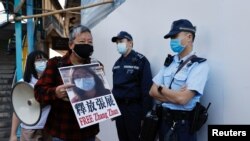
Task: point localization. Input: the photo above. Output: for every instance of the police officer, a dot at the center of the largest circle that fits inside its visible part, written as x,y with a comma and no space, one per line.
179,91
132,80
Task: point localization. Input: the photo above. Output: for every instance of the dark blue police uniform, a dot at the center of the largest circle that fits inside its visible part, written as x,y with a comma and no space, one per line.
132,80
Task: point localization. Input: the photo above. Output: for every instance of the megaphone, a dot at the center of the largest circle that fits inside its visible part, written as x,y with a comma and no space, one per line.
27,109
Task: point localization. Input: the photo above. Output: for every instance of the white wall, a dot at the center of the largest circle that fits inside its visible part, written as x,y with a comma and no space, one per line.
223,28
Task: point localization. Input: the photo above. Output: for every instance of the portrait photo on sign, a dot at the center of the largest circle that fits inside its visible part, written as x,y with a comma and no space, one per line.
89,82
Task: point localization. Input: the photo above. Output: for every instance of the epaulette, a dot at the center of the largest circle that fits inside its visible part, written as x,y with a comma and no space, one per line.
137,58
198,59
168,60
139,55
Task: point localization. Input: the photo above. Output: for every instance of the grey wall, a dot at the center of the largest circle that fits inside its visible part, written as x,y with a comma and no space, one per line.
222,37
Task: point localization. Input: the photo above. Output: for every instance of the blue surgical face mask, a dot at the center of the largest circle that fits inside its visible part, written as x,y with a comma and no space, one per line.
176,45
85,83
40,66
122,48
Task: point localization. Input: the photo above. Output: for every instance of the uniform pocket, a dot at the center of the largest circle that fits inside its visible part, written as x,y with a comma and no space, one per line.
167,77
180,79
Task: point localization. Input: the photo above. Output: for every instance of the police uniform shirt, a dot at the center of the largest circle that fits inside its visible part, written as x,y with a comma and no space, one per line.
192,75
132,76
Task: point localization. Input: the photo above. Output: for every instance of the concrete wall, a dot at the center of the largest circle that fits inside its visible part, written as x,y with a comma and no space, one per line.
222,37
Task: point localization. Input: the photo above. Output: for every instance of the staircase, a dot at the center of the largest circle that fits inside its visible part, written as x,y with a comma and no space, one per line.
7,70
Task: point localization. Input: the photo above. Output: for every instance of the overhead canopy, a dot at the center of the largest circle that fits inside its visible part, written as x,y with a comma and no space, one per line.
92,16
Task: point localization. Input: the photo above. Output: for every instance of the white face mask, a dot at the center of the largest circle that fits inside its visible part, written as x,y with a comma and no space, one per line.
122,48
40,66
85,83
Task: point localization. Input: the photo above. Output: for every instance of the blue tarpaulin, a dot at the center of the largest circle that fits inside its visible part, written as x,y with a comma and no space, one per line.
92,16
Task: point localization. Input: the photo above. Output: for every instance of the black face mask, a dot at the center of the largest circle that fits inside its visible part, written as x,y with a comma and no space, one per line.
83,50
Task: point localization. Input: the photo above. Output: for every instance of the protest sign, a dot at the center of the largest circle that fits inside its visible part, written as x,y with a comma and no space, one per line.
91,97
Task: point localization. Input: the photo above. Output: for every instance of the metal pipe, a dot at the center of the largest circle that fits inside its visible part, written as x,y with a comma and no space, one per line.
30,26
7,8
17,8
48,10
18,29
61,11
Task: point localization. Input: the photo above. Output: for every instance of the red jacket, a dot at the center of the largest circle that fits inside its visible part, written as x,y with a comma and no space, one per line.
61,121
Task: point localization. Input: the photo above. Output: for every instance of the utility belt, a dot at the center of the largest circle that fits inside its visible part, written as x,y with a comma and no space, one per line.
175,115
128,101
